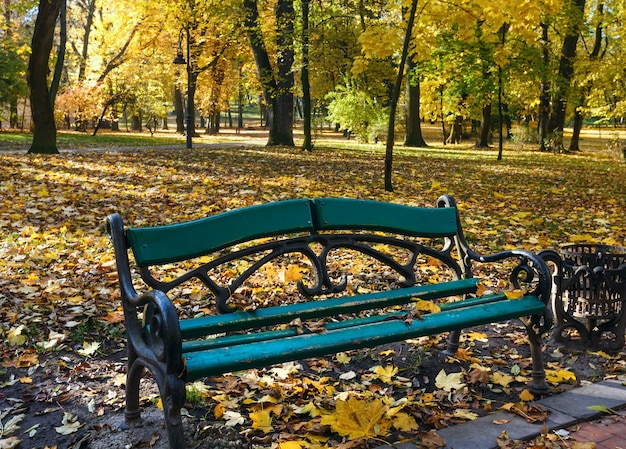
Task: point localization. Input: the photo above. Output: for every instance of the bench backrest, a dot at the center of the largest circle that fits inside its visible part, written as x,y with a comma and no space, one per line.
177,242
173,243
348,213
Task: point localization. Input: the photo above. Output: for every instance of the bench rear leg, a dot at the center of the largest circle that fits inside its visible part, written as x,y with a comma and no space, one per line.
453,343
538,383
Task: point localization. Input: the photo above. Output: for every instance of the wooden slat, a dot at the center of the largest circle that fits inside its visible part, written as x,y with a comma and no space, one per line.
237,321
238,339
349,213
172,243
266,353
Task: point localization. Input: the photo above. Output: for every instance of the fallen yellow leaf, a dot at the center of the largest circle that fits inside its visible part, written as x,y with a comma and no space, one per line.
385,374
262,420
449,382
514,294
359,418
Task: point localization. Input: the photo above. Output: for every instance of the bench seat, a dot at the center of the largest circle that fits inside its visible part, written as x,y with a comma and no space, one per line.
355,335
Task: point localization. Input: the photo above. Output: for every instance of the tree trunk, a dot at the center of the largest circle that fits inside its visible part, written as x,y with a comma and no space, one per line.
395,97
89,13
414,136
307,144
178,108
544,94
594,56
456,130
566,73
281,130
278,90
191,108
44,136
58,67
485,127
13,112
578,126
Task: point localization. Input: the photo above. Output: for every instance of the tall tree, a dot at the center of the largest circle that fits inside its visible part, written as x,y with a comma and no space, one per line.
544,89
414,137
44,136
89,8
566,73
13,63
595,54
277,85
307,144
395,98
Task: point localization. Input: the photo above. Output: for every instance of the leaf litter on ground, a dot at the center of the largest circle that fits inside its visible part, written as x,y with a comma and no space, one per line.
62,325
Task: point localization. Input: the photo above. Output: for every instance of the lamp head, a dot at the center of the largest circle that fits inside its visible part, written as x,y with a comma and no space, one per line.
180,59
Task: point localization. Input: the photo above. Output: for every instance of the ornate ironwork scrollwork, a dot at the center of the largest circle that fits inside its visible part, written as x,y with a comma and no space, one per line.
322,281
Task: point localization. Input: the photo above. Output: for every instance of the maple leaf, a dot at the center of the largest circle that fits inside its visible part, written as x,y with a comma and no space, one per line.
344,358
359,418
309,408
449,382
404,422
233,419
479,374
514,294
500,378
262,420
385,374
295,444
291,274
558,376
532,413
89,349
526,395
473,335
15,336
28,359
430,439
69,423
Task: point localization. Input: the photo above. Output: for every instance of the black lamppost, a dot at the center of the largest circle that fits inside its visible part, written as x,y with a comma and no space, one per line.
180,59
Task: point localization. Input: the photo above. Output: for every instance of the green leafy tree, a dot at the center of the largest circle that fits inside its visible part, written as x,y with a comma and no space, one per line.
13,65
356,111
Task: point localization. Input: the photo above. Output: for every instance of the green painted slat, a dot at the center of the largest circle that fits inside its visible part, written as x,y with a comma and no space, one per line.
236,321
172,243
265,353
238,339
350,213
472,301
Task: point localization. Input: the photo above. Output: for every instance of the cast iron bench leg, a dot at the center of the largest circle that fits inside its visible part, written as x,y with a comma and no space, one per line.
172,391
538,384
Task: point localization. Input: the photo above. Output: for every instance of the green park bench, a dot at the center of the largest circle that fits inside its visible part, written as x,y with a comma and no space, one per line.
225,253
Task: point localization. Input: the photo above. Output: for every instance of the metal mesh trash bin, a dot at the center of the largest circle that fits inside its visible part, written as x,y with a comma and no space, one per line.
591,293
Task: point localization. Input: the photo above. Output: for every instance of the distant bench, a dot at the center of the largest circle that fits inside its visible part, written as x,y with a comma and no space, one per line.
312,244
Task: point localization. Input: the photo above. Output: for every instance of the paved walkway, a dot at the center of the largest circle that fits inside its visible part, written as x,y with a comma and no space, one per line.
569,411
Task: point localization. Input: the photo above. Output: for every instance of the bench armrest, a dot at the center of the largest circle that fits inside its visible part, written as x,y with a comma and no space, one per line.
155,337
531,270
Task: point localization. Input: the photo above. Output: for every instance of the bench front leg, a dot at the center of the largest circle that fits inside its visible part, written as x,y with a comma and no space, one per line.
154,343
